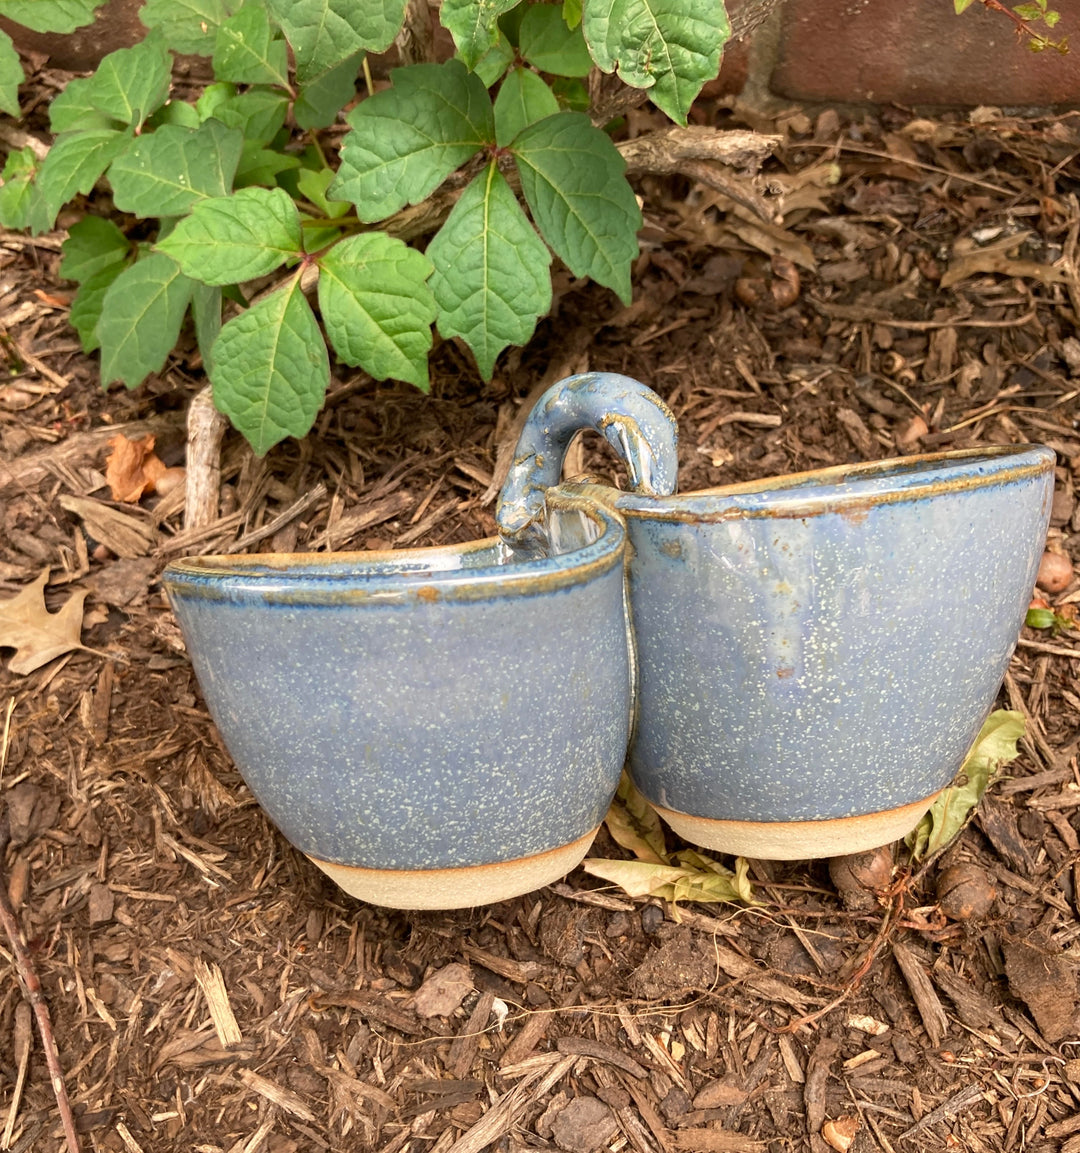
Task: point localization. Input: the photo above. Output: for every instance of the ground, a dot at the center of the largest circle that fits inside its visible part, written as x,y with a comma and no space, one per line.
210,990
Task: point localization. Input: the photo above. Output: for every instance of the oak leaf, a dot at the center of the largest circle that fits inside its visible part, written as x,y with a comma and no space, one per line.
132,469
36,634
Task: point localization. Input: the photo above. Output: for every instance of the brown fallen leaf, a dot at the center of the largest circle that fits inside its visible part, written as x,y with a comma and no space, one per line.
132,469
36,634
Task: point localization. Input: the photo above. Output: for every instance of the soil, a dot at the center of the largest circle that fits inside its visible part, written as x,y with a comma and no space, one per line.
211,991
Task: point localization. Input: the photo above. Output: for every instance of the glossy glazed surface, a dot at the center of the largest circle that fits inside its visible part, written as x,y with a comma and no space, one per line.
819,647
436,709
828,645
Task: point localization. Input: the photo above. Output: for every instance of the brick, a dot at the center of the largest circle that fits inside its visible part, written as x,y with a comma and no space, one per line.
919,52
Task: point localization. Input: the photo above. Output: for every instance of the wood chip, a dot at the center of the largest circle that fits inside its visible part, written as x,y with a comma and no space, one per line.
502,1116
715,1140
922,990
520,972
285,1098
583,1047
212,983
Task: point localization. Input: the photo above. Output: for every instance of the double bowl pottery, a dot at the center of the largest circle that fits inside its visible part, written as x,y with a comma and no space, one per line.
817,652
797,666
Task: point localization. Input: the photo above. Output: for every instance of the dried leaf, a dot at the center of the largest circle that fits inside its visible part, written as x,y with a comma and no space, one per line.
695,878
994,746
633,823
37,635
132,469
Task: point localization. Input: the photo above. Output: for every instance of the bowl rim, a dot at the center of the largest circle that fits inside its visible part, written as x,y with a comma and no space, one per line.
406,575
851,490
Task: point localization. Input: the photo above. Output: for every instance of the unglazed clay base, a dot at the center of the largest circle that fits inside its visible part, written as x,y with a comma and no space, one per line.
457,888
798,840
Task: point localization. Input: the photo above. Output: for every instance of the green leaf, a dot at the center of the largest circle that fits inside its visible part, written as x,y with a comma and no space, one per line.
188,26
320,100
571,93
270,369
474,25
85,311
72,109
994,746
406,140
1028,11
259,113
962,5
11,75
669,46
549,45
1041,618
572,178
21,202
495,61
176,112
246,51
140,320
235,238
165,172
633,824
323,33
377,307
206,312
261,166
313,184
214,96
50,15
523,99
74,163
571,11
491,279
92,244
131,83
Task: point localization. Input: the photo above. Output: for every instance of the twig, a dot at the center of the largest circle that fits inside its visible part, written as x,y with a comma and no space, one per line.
884,932
28,978
206,428
958,1101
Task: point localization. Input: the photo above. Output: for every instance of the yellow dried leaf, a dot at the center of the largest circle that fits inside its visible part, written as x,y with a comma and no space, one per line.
634,825
36,634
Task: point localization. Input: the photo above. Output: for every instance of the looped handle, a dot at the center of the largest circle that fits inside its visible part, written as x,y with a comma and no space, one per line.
632,419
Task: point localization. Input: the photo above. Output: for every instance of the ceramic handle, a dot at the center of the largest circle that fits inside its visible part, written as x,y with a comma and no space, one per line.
632,419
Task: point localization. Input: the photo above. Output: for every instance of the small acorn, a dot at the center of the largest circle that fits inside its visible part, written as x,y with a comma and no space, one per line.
1055,572
964,892
861,877
841,1132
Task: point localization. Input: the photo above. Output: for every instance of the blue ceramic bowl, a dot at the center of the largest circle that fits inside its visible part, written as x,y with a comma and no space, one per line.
818,652
435,728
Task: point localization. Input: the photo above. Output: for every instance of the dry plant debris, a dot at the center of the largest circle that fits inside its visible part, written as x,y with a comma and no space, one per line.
37,635
210,991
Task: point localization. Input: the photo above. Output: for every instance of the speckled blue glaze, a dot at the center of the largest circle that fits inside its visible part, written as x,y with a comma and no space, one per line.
633,420
422,709
824,645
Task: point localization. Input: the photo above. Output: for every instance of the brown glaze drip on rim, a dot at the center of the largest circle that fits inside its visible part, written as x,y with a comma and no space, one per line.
849,505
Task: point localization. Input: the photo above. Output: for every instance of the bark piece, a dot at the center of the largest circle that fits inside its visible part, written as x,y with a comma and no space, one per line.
584,1125
927,1001
1046,983
442,993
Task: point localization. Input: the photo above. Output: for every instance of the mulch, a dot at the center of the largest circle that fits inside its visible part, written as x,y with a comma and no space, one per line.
211,991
